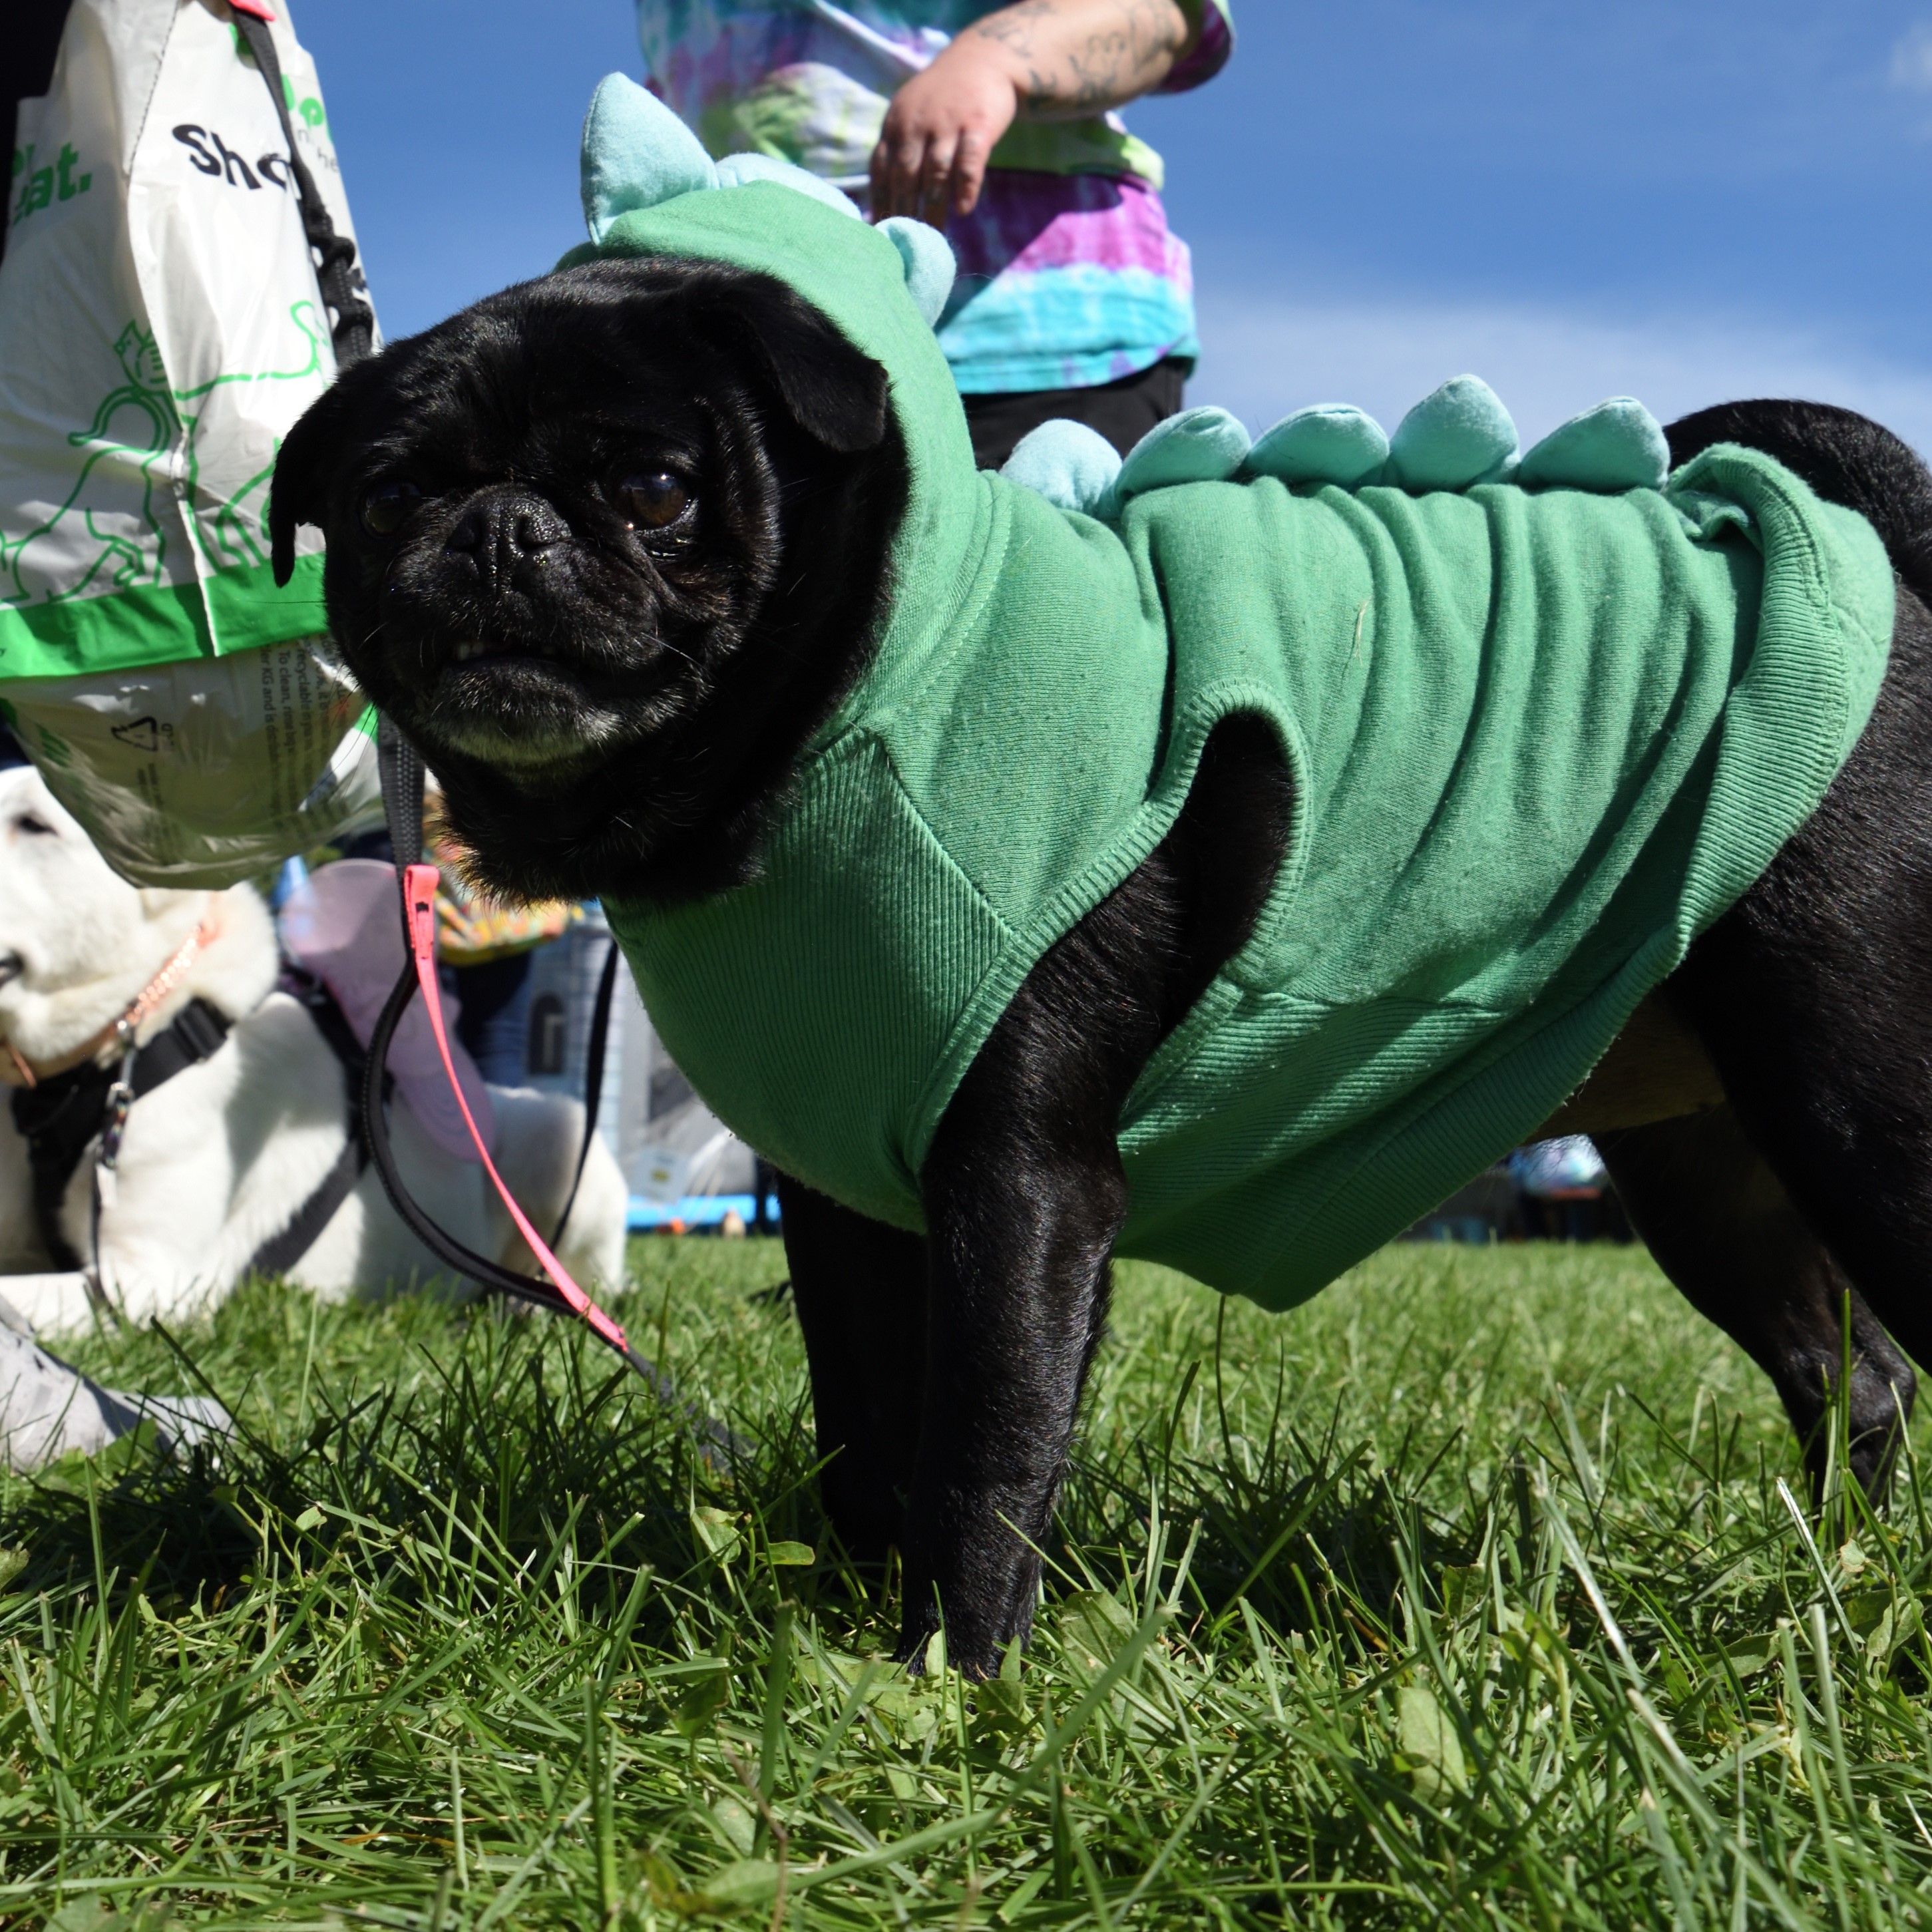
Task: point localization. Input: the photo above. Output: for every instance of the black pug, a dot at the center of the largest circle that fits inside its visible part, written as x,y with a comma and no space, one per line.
665,492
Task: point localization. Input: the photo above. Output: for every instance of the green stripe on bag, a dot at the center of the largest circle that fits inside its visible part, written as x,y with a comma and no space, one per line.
248,611
164,623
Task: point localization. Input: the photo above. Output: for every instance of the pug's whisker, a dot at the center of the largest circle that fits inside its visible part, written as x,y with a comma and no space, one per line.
676,650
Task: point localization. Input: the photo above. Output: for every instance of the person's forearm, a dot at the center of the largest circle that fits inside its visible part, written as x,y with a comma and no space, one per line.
1041,60
1071,57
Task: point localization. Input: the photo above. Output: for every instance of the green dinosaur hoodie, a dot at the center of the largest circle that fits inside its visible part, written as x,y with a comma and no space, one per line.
1539,741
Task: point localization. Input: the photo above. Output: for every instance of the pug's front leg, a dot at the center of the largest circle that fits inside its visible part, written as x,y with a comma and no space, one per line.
1018,1243
1024,1196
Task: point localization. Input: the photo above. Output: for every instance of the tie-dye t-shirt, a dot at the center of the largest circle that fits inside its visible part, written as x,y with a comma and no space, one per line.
1068,275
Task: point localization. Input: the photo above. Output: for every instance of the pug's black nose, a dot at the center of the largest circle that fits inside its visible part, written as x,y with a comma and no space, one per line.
503,533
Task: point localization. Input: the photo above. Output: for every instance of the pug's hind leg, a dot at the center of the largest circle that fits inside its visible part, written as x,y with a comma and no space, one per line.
860,1287
1720,1224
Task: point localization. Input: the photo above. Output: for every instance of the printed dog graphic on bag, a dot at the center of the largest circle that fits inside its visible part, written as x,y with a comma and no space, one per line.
111,506
109,522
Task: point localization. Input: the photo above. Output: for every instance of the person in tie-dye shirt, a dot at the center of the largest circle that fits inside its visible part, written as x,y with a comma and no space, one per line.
996,123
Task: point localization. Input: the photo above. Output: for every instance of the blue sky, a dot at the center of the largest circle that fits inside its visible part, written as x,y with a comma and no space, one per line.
1681,202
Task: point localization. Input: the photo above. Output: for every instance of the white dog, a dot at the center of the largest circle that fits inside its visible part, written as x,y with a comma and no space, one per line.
216,1162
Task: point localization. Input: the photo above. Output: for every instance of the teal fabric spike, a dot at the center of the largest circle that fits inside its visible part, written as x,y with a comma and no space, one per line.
1073,466
1327,443
734,170
1197,446
929,266
636,153
1460,435
1617,446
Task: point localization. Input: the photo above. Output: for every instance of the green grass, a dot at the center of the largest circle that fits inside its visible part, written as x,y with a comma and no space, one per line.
1472,1595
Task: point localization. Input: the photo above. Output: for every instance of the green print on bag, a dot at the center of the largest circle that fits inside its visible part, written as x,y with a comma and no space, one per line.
101,554
310,110
143,395
40,188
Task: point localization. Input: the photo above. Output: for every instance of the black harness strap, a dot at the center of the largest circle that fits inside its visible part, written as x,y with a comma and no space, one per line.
281,1251
195,1033
60,1117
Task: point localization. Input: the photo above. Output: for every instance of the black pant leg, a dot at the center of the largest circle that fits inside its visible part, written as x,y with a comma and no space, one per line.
1123,411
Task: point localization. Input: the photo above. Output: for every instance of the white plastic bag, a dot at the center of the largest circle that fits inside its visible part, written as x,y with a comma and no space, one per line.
161,327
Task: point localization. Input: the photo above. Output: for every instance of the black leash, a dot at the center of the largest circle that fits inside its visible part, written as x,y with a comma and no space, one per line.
593,1080
401,772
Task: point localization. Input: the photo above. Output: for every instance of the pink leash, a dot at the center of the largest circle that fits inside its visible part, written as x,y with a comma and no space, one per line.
419,885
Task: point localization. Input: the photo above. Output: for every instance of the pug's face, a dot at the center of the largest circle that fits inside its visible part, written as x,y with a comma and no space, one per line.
608,546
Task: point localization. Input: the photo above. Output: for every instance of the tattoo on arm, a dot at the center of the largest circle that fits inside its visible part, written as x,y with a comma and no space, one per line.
1105,66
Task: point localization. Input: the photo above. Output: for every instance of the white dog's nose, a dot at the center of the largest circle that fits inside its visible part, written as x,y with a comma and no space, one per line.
11,967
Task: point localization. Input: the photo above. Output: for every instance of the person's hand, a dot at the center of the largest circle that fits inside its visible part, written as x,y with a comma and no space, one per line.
1041,59
940,129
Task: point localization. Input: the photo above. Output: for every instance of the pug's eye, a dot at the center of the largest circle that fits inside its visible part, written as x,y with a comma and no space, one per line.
388,506
652,500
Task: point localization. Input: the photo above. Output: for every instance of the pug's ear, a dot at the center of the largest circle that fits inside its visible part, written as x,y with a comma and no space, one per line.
835,393
299,492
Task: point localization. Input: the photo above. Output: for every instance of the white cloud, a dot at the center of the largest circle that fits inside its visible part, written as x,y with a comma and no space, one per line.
1911,59
1263,356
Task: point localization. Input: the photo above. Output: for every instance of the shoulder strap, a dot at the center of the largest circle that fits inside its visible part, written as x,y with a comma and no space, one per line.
353,330
399,766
